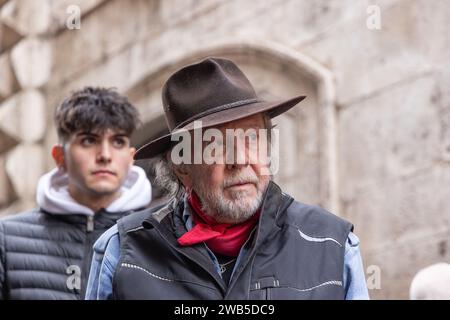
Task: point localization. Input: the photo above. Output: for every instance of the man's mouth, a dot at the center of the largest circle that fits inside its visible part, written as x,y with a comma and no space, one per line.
240,184
103,173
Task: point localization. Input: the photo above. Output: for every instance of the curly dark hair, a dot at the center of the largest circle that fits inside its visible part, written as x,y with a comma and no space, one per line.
94,108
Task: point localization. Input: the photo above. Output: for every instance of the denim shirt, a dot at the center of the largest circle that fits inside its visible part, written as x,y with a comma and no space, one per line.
107,252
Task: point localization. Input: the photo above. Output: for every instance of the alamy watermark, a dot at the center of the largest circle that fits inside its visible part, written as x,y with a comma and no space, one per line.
235,146
73,21
373,279
373,21
73,281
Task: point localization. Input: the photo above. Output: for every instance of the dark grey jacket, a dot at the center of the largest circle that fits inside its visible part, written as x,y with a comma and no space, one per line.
47,256
296,252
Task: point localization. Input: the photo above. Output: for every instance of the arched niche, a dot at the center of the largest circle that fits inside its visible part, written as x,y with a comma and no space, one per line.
308,163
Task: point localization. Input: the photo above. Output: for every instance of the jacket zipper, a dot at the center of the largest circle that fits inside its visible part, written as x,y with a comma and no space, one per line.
85,267
251,255
248,259
90,224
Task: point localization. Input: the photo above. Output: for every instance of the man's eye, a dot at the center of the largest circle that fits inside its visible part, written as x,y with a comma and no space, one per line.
119,142
87,141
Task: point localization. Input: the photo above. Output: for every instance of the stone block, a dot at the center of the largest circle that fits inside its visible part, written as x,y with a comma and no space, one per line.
6,141
441,101
24,166
411,42
390,135
27,17
8,37
7,194
102,35
23,116
18,206
396,210
32,62
62,10
399,262
8,81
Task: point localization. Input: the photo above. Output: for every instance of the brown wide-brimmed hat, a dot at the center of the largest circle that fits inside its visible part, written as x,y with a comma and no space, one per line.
214,91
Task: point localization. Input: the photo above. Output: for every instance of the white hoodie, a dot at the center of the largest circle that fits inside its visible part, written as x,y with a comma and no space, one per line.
53,194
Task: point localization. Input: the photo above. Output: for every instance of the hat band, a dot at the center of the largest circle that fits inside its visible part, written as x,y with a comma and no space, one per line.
215,110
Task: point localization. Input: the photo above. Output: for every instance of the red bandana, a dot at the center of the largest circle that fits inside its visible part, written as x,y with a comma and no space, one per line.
222,238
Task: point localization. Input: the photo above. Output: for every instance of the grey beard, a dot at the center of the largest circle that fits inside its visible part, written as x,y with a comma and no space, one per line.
233,211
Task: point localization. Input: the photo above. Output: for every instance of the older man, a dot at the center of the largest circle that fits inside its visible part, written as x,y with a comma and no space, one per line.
229,232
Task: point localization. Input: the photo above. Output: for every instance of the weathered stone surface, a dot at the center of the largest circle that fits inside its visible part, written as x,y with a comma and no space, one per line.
397,209
105,40
288,145
6,141
389,136
6,194
23,116
8,37
24,166
18,206
27,17
299,166
160,26
8,82
62,10
32,60
403,48
102,35
400,261
392,217
441,101
393,185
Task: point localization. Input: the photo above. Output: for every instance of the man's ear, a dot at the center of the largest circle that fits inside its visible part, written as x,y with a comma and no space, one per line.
58,156
181,171
132,153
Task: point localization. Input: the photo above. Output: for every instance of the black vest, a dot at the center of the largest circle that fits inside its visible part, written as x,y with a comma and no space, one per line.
296,252
47,256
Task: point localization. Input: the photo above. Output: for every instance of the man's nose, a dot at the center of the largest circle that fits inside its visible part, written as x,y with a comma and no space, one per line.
104,153
238,155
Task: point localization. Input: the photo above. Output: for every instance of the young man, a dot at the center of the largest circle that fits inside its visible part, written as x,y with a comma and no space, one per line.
230,232
46,253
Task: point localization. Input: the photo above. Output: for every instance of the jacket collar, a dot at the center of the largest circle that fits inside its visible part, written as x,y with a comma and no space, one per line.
53,194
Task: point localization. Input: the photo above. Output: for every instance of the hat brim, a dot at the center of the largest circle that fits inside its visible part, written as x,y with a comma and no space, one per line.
273,109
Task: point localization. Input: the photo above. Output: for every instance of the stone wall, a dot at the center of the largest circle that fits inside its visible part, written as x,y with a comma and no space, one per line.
371,142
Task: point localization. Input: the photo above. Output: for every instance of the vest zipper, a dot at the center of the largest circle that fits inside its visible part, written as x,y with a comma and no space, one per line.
248,259
85,267
90,224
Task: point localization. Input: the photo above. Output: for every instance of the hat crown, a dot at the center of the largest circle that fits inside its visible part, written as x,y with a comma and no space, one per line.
206,87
